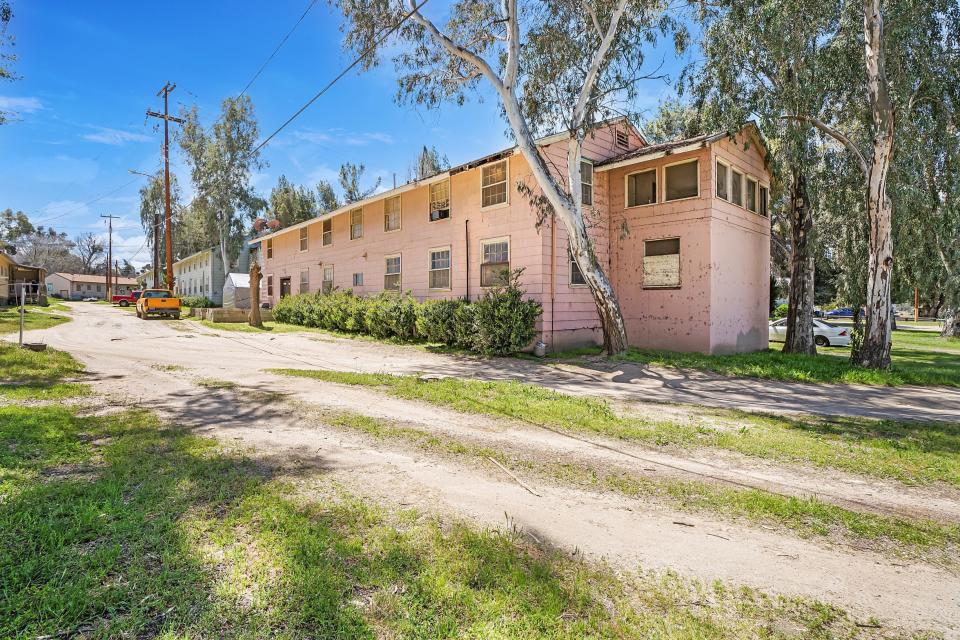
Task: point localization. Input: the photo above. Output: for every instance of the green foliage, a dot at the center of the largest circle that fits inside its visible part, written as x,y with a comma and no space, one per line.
503,321
781,311
291,204
198,302
437,320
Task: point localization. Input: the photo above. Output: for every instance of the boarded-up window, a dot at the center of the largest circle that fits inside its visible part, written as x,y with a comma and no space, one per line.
304,280
682,181
327,286
327,232
736,188
723,174
493,184
764,201
440,268
495,264
304,239
642,188
356,224
752,194
440,201
391,214
586,183
391,277
661,263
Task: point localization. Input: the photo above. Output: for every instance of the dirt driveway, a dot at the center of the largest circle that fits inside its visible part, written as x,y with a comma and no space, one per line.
160,363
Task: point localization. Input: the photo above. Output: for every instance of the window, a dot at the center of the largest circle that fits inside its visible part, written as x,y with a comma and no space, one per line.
764,201
356,224
269,248
495,262
736,188
99,288
327,237
493,184
391,277
304,280
623,139
682,180
358,279
269,285
391,214
642,188
440,201
752,195
304,239
327,286
661,263
586,183
723,174
576,275
439,268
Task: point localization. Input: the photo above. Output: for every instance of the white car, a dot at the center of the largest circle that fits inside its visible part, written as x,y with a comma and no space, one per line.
824,333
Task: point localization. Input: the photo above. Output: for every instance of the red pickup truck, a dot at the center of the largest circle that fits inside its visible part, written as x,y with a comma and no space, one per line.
127,300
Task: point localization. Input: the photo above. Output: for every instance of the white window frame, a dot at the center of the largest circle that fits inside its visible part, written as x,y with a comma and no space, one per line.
726,182
323,278
449,249
399,214
584,184
304,239
733,173
302,289
679,255
431,201
486,241
399,273
746,193
269,248
352,224
326,237
506,185
675,164
626,188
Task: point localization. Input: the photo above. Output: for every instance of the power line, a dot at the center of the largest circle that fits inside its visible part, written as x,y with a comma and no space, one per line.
356,61
89,202
279,46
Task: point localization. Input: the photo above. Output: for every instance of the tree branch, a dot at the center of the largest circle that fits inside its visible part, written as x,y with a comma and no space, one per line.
836,135
590,79
513,44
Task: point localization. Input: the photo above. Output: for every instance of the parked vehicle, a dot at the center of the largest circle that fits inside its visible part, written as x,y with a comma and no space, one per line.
824,333
158,302
840,312
90,299
127,299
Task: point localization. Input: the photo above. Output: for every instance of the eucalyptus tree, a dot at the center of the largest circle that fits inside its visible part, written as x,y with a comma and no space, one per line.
350,175
327,199
291,204
429,162
152,209
551,64
222,161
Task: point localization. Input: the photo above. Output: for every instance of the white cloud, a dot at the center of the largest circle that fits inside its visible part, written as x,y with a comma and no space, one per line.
338,136
23,105
115,137
67,209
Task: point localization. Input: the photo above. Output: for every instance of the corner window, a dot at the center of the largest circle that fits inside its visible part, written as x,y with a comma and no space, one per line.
495,262
723,177
269,248
682,181
304,280
439,268
391,277
642,188
661,263
751,195
576,275
304,239
327,237
358,279
269,285
356,224
391,214
764,201
586,183
736,188
327,285
493,184
439,201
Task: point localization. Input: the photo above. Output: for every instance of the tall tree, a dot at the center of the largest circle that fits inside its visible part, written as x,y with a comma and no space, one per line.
327,200
7,57
567,63
13,225
350,175
48,248
428,162
152,211
291,204
90,249
222,162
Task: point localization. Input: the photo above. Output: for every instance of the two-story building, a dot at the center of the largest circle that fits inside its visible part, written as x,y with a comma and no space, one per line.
200,274
682,230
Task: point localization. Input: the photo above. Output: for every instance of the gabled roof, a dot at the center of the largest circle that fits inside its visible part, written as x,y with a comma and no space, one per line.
19,264
676,147
89,277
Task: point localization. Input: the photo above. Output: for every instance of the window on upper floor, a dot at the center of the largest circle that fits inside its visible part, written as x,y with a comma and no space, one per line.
391,214
493,184
642,188
269,248
304,238
736,188
586,182
681,180
439,201
723,179
751,194
356,224
764,201
327,238
495,262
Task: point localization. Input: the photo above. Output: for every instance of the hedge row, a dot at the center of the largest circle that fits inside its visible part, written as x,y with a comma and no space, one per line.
198,302
501,322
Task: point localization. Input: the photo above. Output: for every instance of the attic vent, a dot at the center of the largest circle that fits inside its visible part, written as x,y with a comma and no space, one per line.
623,139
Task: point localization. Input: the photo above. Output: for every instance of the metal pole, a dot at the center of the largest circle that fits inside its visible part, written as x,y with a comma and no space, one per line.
166,187
109,255
21,313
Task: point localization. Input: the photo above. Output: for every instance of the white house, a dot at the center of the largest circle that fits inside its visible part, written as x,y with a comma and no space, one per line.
200,274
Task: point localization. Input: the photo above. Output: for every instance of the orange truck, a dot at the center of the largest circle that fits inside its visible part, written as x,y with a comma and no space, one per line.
158,302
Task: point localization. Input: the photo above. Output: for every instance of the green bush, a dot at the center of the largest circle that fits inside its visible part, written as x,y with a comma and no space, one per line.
503,322
437,320
781,311
198,302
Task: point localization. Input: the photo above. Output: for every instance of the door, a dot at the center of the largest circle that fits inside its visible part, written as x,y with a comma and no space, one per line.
284,287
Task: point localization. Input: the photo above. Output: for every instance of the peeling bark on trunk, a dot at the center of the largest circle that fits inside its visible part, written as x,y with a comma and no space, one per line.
255,276
951,324
799,337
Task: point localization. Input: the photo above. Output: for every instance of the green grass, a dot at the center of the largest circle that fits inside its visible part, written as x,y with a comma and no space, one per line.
804,516
121,526
910,453
214,383
34,318
31,375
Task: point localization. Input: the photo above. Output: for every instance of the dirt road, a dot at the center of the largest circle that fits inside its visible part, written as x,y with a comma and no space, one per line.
626,532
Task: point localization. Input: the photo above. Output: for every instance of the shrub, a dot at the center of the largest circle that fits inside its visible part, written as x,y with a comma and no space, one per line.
437,320
377,315
503,322
781,311
198,302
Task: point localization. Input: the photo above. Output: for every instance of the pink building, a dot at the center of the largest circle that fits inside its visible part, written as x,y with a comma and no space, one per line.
682,229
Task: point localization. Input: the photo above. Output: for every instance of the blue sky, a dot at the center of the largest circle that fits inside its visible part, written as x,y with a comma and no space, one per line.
90,70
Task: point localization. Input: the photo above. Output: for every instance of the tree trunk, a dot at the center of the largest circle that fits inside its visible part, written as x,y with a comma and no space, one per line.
255,320
875,352
800,306
951,324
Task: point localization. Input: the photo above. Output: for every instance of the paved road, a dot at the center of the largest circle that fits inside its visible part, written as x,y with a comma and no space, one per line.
101,332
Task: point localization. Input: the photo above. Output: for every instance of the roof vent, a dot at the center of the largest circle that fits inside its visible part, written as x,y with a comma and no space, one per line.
623,139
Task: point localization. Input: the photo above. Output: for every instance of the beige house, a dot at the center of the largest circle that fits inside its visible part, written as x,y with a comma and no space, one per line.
77,286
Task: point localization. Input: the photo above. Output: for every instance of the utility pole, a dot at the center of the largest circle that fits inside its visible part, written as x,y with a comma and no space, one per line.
109,254
916,304
156,234
168,226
